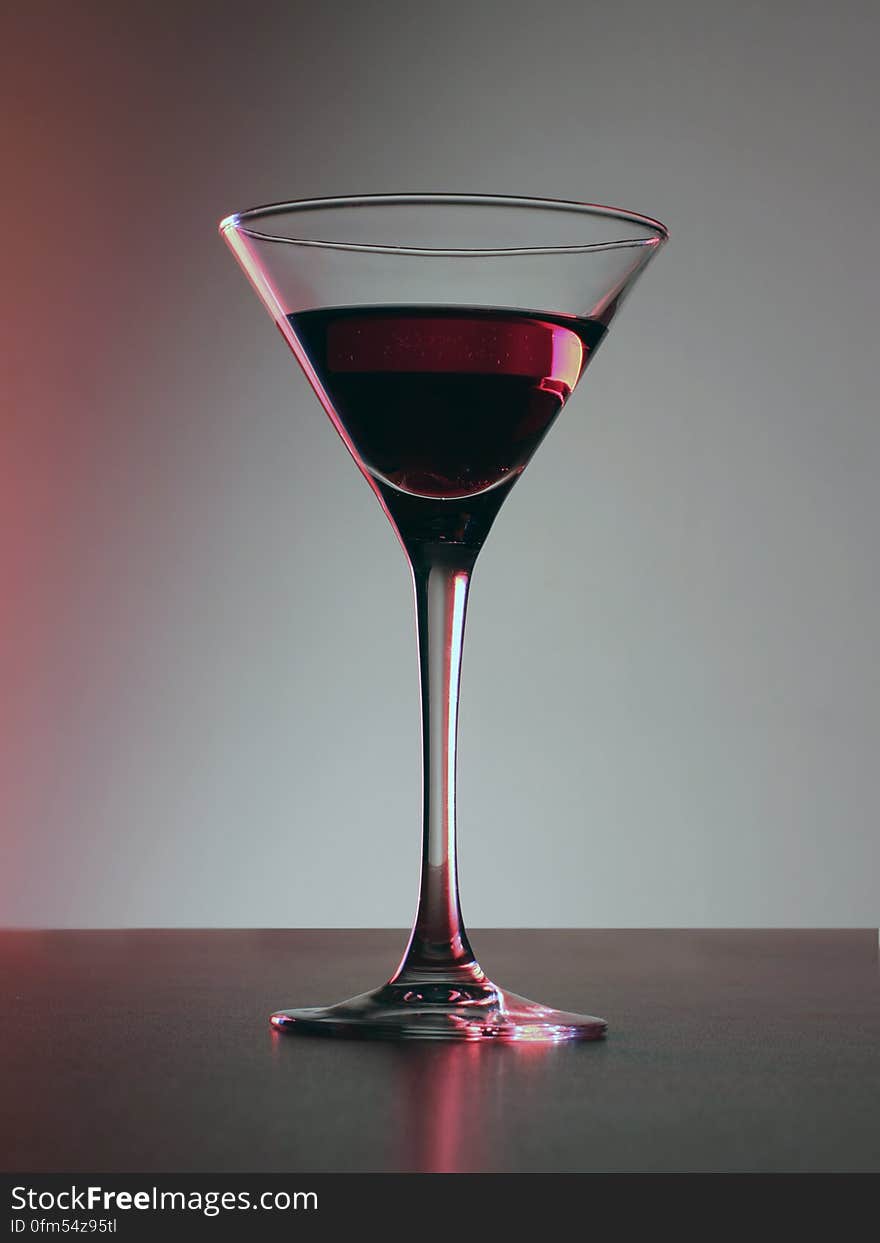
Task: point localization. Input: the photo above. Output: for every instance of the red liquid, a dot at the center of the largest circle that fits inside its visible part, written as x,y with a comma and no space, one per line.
444,403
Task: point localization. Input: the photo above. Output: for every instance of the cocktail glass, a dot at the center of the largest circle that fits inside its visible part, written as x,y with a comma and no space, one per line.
442,334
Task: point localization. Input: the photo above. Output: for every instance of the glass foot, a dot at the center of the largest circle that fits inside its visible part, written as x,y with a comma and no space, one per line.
433,1011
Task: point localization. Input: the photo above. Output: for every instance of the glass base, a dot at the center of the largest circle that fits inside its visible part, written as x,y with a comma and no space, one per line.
441,1011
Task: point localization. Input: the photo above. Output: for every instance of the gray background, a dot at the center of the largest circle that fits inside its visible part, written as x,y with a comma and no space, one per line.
671,695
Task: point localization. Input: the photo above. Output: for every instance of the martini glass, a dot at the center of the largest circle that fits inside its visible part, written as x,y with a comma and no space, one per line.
442,334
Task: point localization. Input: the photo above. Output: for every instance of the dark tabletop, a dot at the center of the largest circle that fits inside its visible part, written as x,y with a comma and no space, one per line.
727,1051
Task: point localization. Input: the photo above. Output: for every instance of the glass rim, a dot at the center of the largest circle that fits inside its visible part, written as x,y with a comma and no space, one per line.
243,221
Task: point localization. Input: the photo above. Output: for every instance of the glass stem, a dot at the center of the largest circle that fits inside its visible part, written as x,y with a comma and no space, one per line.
438,947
